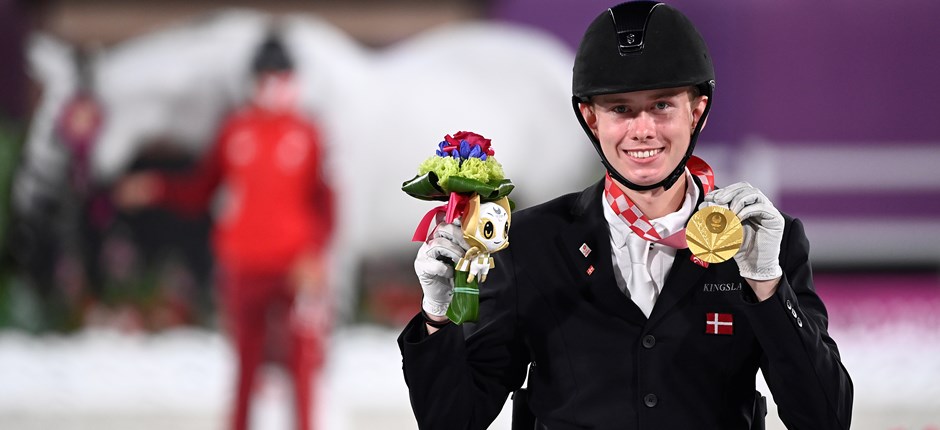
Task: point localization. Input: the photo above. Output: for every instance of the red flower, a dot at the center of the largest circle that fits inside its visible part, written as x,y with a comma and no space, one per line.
473,139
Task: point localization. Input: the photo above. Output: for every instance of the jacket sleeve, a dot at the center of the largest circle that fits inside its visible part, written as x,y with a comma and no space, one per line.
459,378
189,193
800,361
322,197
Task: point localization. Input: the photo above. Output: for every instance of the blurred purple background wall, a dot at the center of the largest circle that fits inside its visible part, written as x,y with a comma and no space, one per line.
841,71
12,72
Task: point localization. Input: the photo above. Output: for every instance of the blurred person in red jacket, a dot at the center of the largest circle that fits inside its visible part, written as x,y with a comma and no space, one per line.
271,234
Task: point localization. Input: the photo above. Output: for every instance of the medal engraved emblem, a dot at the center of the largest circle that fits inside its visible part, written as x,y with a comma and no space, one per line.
714,234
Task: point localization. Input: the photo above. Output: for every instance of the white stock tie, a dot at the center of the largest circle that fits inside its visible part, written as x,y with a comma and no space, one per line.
642,289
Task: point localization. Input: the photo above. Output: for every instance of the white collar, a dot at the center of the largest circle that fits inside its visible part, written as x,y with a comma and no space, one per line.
666,225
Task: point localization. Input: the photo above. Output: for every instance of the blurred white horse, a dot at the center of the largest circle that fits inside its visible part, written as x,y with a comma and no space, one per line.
381,112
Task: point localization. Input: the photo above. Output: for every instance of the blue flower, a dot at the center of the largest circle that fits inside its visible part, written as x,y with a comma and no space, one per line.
464,149
462,152
476,152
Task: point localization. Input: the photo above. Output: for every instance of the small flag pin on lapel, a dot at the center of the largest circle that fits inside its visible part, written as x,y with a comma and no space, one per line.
590,270
585,250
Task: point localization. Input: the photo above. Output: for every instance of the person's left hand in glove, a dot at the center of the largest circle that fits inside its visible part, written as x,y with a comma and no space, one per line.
759,257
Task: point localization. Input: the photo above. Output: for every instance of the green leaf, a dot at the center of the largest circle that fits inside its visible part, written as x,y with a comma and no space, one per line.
425,187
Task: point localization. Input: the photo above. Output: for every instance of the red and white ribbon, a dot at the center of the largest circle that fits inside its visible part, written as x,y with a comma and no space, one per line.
627,211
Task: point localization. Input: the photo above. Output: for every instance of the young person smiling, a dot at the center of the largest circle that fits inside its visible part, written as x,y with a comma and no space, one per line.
600,302
645,135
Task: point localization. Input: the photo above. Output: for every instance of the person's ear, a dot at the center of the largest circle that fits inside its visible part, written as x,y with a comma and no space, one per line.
589,115
698,108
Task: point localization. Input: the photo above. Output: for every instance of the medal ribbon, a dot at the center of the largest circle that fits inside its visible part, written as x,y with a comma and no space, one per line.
627,211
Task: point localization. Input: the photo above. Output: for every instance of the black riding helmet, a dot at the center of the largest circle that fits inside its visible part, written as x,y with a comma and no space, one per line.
635,46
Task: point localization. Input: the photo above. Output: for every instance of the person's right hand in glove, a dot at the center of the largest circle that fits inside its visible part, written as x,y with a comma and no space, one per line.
434,266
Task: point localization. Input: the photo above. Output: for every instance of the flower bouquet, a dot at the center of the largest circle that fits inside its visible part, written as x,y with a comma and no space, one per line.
464,173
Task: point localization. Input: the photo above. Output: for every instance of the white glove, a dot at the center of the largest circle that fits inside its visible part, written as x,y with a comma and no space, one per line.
762,223
436,276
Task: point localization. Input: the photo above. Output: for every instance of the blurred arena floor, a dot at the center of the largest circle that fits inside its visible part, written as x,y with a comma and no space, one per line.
887,327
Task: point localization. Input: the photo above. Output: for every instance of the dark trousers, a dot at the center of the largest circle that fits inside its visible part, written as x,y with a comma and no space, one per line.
524,419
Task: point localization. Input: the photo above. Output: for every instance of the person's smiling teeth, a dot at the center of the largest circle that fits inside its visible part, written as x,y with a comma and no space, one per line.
644,153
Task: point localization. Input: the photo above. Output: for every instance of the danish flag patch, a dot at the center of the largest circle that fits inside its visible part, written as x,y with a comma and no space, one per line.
716,323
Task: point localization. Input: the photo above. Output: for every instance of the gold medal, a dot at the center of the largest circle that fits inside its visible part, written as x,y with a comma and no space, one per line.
714,234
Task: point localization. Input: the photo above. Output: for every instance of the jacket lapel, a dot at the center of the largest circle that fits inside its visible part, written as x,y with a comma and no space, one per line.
681,278
595,272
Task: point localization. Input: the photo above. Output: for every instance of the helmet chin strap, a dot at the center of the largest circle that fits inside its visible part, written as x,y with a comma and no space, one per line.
666,183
